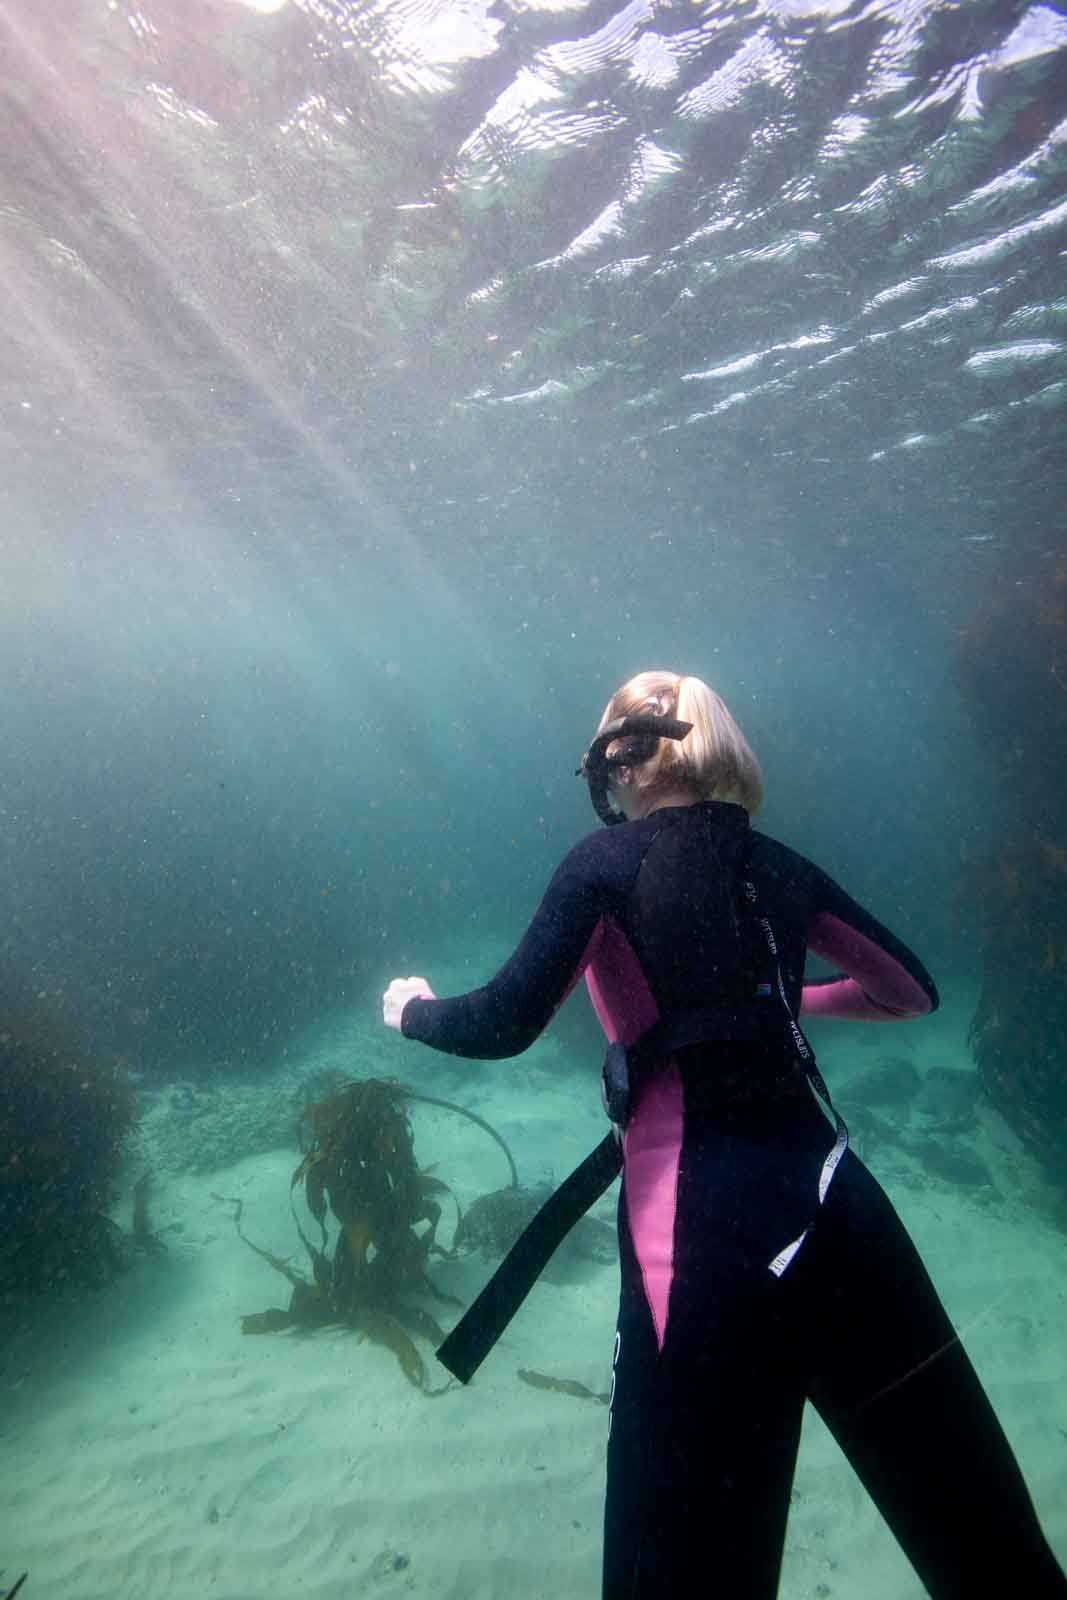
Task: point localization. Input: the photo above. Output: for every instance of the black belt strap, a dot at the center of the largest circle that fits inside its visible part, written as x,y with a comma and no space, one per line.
484,1321
701,1025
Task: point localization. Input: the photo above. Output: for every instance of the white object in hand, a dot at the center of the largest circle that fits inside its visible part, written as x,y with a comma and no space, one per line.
396,997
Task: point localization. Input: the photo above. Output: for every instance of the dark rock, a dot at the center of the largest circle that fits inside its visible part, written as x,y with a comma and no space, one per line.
388,1562
493,1222
892,1081
949,1098
954,1163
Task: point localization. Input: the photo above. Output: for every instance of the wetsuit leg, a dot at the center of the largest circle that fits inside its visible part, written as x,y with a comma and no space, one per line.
704,1432
894,1385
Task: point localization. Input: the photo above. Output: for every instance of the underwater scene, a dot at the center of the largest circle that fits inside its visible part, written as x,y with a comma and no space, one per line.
383,384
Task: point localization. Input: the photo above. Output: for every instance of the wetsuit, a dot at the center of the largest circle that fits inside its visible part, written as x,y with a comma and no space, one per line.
716,1354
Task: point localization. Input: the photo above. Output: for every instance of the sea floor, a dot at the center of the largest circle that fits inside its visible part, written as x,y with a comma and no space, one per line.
151,1449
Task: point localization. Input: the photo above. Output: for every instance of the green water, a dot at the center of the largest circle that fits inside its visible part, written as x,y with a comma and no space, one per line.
381,386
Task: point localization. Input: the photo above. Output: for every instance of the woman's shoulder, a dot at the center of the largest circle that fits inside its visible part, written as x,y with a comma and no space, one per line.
607,856
782,861
606,845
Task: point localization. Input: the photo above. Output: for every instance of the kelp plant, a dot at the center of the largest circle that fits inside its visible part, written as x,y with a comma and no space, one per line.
1018,1035
63,1123
1012,667
359,1161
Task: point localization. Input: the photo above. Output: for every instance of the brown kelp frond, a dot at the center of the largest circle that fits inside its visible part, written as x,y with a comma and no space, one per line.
272,1321
386,1330
571,1386
430,1185
419,1320
359,1165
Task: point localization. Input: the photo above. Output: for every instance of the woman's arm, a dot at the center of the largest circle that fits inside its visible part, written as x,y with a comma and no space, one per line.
506,1016
880,979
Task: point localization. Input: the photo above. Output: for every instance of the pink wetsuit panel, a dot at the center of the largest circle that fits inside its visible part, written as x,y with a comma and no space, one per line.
653,1142
878,990
617,987
652,1148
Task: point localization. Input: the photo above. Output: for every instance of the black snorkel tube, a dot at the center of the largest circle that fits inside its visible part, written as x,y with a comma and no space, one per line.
642,733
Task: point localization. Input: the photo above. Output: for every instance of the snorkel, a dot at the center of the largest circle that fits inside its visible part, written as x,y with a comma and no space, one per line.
642,734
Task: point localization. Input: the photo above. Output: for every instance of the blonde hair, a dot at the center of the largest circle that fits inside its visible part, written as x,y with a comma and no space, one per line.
714,759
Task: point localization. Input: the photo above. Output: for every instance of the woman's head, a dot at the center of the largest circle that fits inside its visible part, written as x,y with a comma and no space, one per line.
712,762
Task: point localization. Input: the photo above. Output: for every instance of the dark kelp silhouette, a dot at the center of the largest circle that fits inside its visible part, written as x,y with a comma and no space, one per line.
63,1120
1018,1034
1012,669
359,1162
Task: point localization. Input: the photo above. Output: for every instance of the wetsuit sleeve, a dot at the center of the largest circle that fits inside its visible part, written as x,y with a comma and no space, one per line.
506,1016
880,979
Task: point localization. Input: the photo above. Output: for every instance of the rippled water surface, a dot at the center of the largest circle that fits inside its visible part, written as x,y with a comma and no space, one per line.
784,262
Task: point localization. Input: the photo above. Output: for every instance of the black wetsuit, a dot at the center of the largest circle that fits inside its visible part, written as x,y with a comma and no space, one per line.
716,1353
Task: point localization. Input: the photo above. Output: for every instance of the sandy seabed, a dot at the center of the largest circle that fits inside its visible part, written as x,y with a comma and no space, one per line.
151,1450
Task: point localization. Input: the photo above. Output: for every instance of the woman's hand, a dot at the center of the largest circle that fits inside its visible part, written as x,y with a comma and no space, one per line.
396,997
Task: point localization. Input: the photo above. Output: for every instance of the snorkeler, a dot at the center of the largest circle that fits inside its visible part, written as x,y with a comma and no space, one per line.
762,1265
